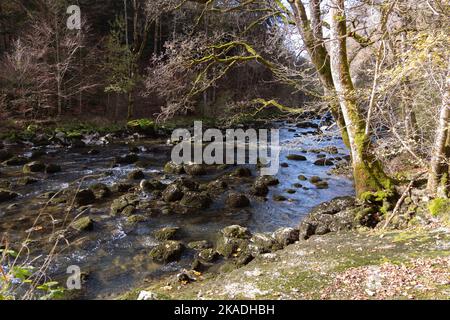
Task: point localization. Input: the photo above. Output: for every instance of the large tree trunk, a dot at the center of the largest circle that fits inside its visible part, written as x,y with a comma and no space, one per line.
438,175
312,35
368,172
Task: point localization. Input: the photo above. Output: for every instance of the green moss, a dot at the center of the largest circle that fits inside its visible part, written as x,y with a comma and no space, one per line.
439,207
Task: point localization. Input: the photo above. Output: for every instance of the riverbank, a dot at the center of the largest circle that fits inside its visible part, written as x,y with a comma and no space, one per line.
364,264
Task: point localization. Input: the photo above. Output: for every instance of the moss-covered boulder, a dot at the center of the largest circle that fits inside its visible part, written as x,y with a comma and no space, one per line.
286,236
125,204
336,215
242,172
237,200
136,175
168,233
199,245
262,243
207,255
143,126
193,169
85,197
324,162
196,200
152,185
100,190
173,168
32,167
167,251
233,241
83,224
172,193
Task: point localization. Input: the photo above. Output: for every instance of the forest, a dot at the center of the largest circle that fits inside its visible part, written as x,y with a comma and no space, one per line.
93,95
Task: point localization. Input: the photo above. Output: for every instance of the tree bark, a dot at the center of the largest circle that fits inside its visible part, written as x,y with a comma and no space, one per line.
312,35
368,172
438,175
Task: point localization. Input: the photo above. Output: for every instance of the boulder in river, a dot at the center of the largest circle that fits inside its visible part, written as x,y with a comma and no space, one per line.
7,195
125,204
173,168
196,200
26,181
167,233
85,197
233,241
269,181
262,243
296,157
324,162
259,189
83,224
136,175
195,169
127,159
242,172
32,167
167,251
100,190
237,200
199,245
52,168
172,193
152,185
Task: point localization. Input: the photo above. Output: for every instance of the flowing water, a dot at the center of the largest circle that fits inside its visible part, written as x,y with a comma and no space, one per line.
115,255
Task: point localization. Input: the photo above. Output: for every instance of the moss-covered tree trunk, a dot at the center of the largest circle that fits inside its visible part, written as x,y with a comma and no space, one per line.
438,184
368,172
312,35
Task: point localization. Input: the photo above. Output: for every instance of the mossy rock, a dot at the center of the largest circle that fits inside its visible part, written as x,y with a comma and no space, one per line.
83,224
32,167
85,197
144,126
439,207
125,204
167,233
195,169
196,200
173,168
237,200
242,172
167,251
172,193
100,190
199,245
207,255
135,219
136,175
26,181
279,198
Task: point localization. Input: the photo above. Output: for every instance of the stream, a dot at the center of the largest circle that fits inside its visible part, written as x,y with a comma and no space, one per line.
114,255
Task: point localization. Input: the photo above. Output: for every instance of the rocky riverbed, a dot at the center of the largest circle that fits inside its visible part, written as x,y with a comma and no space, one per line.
122,212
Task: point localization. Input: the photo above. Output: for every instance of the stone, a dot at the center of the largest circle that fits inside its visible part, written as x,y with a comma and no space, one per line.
269,181
307,124
167,233
323,162
124,204
259,189
207,255
302,178
262,243
286,236
237,200
167,251
152,185
242,172
196,200
32,167
296,157
26,181
83,224
172,193
135,219
279,198
147,296
199,245
236,231
195,169
100,190
85,197
127,159
173,168
52,168
136,175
